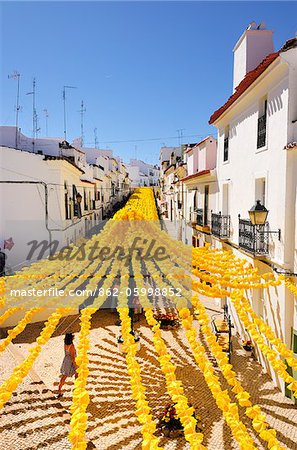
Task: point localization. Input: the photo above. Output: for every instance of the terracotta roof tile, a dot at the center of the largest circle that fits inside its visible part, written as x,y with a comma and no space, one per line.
199,143
244,84
198,174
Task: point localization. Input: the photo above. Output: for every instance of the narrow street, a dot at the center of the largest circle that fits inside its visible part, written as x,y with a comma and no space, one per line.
35,419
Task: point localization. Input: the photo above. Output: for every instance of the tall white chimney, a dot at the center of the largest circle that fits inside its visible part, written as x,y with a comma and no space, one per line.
252,47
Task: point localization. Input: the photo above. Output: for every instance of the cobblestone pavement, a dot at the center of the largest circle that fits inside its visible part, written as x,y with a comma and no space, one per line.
35,419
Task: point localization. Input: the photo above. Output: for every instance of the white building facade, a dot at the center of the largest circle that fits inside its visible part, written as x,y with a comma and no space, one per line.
199,187
51,193
257,160
143,174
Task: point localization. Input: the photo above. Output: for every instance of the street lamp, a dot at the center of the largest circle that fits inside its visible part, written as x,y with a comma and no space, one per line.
258,215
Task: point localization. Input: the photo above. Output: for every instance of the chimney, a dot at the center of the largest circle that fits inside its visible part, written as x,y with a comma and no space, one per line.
253,46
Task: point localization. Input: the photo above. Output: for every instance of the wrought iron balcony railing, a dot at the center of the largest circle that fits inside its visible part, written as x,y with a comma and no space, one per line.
254,239
220,225
197,217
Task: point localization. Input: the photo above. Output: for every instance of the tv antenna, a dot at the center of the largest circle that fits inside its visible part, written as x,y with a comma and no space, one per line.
34,114
95,138
46,121
64,102
16,76
180,135
82,111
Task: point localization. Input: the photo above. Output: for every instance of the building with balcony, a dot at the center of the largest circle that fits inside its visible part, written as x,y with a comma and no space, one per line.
257,160
170,159
200,187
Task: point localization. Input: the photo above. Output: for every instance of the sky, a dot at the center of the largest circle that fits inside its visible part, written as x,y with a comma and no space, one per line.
144,70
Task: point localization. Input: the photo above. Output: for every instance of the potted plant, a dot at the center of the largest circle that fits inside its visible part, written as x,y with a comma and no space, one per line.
167,320
248,347
170,425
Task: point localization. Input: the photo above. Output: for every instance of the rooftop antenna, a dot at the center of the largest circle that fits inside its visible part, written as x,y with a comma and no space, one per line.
64,102
34,114
82,111
135,149
95,138
46,121
37,127
180,135
16,76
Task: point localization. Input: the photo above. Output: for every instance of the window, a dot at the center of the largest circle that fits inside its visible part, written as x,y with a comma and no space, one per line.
226,144
67,215
206,200
262,123
85,201
260,190
76,203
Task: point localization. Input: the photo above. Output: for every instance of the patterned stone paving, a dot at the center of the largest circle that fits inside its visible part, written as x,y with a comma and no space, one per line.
35,419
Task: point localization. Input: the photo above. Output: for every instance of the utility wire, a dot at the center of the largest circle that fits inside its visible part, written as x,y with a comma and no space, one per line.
149,139
55,184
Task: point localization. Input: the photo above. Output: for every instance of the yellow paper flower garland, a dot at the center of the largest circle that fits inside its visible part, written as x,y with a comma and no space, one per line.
267,331
22,370
291,286
229,409
242,396
272,356
143,411
174,386
224,402
253,412
80,399
8,313
2,291
12,334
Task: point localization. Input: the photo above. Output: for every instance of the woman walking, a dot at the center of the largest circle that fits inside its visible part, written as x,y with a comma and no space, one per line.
68,368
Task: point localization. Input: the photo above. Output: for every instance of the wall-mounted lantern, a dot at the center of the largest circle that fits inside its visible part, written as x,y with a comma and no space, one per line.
258,215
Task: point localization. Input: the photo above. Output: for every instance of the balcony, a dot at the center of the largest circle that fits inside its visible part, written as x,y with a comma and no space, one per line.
220,225
254,239
261,137
197,217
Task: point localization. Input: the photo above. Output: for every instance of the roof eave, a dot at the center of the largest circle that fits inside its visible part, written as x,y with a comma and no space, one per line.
271,66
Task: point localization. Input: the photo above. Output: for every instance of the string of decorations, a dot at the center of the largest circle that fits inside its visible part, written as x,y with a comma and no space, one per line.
22,370
14,332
